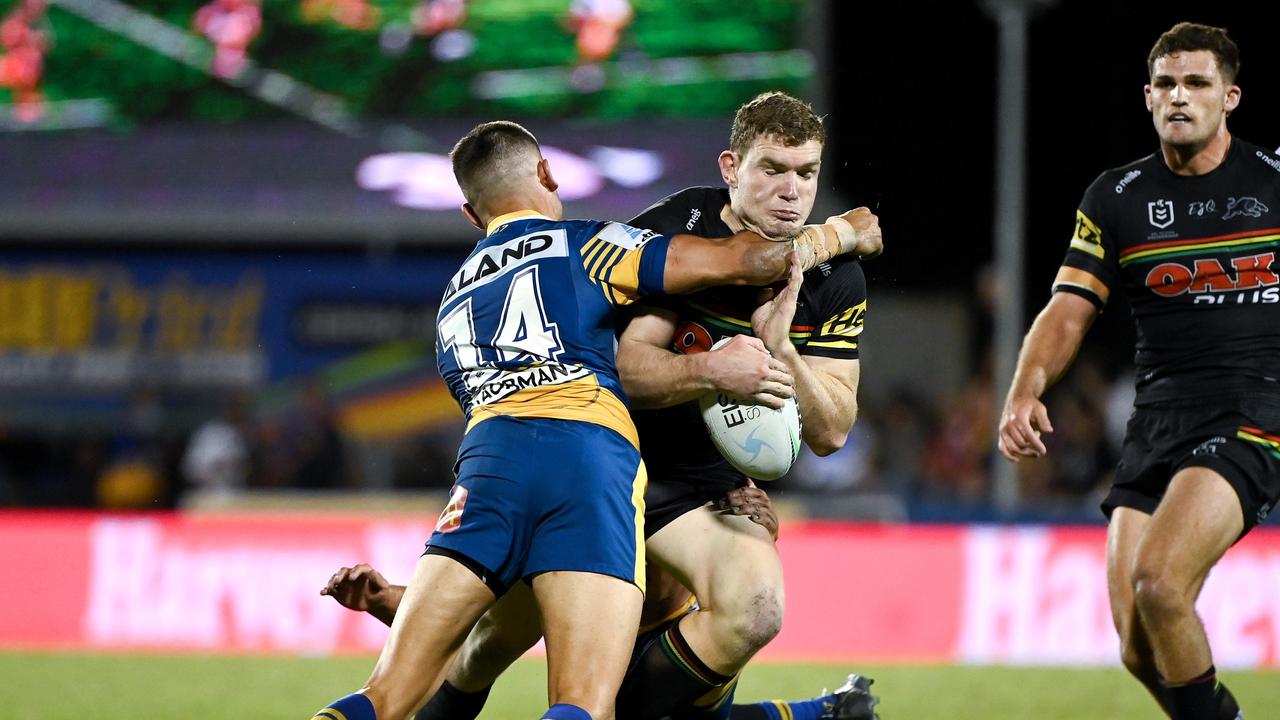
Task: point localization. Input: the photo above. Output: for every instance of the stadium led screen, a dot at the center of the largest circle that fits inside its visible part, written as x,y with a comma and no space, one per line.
330,118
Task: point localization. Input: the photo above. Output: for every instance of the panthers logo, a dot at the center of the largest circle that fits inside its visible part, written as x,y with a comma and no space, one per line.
691,338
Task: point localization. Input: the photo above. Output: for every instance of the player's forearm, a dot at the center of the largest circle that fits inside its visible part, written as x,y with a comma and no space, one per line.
694,263
655,377
1047,352
386,610
827,406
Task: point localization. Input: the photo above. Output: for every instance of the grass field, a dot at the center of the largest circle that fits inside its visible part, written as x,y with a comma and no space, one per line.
110,687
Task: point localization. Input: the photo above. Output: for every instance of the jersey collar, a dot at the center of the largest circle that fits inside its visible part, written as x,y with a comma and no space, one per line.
497,222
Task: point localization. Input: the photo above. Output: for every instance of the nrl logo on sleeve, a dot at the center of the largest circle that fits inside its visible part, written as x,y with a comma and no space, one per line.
1160,213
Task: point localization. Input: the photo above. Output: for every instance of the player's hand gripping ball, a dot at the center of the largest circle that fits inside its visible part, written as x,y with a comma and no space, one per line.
759,441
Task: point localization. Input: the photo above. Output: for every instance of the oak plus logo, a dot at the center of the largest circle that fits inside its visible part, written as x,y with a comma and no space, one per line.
1252,278
1160,213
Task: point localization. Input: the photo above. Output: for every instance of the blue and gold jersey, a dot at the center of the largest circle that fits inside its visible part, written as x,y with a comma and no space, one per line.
527,325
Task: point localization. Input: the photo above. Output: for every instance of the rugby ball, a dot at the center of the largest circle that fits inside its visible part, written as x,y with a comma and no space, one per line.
757,440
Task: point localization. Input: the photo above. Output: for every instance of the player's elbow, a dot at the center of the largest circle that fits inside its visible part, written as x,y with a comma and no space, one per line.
829,440
828,443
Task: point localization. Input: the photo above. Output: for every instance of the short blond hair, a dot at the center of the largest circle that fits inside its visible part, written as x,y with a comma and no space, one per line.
778,115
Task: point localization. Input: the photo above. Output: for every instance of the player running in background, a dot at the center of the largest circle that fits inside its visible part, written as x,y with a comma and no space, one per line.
525,341
1189,234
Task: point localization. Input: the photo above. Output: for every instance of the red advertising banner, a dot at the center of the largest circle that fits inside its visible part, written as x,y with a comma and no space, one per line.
250,584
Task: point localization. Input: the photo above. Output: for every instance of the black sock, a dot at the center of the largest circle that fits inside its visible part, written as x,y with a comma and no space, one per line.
1195,699
1228,708
666,676
450,703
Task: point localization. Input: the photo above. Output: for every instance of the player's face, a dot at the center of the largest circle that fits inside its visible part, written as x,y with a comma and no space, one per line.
773,186
1188,98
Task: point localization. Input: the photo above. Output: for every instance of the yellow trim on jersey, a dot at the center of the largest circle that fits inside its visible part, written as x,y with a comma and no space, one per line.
582,399
496,223
841,344
679,612
592,251
1087,237
1129,256
638,486
848,324
743,326
603,259
1083,279
329,714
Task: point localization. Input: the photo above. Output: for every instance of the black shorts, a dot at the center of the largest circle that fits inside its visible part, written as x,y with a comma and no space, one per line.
672,494
1239,440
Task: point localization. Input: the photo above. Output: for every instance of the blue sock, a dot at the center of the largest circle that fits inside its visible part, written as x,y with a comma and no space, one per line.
351,707
779,710
565,712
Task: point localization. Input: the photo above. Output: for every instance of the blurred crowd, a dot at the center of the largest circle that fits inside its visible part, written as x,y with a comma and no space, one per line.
910,455
919,457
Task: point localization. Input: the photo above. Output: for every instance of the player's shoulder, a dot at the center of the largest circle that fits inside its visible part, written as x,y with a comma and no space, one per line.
1259,158
618,233
684,210
840,267
841,276
1117,181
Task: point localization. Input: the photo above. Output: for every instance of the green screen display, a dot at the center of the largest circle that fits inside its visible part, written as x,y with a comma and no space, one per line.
76,63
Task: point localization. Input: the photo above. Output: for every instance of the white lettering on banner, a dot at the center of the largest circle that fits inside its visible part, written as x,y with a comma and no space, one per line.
1028,602
152,590
1032,597
1237,605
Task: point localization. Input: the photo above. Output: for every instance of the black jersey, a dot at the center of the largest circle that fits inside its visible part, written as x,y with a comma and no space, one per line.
1196,257
828,320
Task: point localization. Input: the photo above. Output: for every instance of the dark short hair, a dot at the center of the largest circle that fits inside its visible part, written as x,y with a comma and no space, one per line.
482,152
1189,37
775,114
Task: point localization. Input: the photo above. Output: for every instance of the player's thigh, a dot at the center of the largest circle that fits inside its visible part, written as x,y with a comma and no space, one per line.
723,559
1197,521
499,638
441,603
590,622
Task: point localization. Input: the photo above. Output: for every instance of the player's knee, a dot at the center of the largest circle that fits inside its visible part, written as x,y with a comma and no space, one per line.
757,621
1156,595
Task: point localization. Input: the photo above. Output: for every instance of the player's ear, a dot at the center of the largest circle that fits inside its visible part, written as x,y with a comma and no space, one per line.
544,176
471,215
1233,98
1146,93
729,168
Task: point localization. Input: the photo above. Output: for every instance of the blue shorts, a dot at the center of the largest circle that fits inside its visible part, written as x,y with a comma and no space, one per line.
536,495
